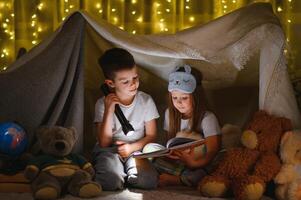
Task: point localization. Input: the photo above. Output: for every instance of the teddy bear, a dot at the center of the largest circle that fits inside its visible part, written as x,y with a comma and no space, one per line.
56,170
288,180
245,171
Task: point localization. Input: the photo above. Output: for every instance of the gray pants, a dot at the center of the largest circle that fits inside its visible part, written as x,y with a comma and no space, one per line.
112,171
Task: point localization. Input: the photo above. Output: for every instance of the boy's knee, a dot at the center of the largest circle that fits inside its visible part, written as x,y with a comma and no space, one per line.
110,181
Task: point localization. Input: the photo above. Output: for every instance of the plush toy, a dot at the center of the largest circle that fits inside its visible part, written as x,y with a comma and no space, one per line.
244,172
56,170
288,180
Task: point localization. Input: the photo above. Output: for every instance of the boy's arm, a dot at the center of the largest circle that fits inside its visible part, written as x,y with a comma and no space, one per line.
150,136
104,129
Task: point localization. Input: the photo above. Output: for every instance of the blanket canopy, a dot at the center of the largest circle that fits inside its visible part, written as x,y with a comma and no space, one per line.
240,55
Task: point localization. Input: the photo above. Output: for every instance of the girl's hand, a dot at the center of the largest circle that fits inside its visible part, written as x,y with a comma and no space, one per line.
110,101
124,149
186,156
172,156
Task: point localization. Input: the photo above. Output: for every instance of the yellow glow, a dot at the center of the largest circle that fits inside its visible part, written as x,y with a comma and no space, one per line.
159,12
289,21
166,29
167,10
121,27
40,29
234,1
134,31
191,19
279,9
34,34
2,55
34,42
168,1
12,14
66,1
140,19
5,67
33,16
225,6
33,23
100,11
187,7
98,5
4,25
289,0
113,9
162,20
187,1
2,4
67,10
157,4
134,1
40,6
133,12
115,19
7,20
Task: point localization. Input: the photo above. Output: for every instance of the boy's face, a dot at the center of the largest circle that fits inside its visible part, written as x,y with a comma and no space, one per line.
126,82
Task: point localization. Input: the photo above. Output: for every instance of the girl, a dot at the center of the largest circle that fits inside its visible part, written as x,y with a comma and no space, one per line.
187,113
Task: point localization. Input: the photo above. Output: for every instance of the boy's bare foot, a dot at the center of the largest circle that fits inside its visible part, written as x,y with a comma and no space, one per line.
168,179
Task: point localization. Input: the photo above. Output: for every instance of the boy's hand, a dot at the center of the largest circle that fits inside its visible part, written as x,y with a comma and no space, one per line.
124,149
110,101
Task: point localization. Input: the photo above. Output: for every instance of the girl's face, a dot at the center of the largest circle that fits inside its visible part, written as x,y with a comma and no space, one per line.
183,102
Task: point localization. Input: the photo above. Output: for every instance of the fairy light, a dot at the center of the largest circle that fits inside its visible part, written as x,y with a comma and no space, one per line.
133,1
133,12
140,19
191,19
279,9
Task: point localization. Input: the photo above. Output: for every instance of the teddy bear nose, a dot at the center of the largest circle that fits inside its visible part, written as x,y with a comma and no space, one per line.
60,146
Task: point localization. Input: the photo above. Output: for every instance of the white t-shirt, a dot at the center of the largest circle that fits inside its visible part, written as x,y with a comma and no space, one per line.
142,110
209,125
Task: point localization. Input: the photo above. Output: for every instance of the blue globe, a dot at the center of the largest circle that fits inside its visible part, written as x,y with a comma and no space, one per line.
13,139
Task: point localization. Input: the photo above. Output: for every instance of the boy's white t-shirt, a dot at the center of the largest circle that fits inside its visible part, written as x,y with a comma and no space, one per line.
209,125
142,109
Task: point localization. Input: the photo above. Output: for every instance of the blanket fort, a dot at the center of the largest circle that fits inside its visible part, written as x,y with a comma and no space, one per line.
240,55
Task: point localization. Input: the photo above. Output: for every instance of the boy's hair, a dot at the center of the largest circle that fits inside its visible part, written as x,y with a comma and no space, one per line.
199,107
114,60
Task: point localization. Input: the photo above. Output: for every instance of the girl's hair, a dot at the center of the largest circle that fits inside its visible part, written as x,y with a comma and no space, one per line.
198,104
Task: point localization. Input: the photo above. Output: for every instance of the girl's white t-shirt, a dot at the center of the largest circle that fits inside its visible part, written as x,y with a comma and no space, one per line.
208,125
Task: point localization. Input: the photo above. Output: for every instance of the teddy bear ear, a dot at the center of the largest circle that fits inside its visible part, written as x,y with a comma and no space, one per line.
285,137
74,132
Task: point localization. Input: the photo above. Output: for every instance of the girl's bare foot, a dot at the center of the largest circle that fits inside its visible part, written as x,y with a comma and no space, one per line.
168,179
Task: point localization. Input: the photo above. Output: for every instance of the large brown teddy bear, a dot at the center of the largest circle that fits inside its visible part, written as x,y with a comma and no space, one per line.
244,172
56,170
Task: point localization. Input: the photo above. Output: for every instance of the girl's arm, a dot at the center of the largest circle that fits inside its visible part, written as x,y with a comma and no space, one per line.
213,146
150,135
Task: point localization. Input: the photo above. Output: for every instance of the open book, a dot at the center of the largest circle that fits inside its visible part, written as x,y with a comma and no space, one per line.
178,143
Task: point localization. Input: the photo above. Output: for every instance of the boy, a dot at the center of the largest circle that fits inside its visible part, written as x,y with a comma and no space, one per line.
112,155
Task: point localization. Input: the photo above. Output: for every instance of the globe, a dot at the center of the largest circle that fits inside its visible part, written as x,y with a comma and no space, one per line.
13,139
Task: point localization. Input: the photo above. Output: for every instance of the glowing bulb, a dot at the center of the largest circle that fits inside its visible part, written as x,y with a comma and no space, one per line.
33,16
7,20
140,19
98,5
279,9
159,12
134,31
67,10
225,6
187,7
187,1
289,0
5,67
167,10
234,1
162,20
133,12
66,1
33,42
40,29
34,34
100,11
134,1
113,9
191,19
12,14
71,6
166,29
157,4
4,25
289,21
168,1
115,19
121,27
40,6
2,55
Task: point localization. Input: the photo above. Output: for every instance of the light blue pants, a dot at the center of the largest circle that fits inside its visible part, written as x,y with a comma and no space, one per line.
112,172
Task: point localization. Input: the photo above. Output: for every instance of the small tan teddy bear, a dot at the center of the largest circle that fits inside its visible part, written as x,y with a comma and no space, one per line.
56,170
288,180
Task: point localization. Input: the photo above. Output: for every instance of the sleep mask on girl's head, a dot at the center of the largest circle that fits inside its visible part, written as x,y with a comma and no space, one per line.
182,81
